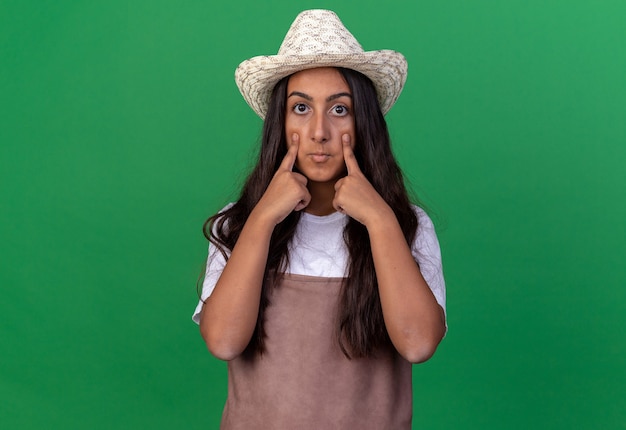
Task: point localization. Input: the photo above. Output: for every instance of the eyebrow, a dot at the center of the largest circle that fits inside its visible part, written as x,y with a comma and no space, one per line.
328,99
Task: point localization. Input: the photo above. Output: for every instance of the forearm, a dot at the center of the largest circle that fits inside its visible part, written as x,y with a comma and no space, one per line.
413,318
229,315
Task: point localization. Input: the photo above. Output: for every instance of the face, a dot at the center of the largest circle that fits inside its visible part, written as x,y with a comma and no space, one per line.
319,111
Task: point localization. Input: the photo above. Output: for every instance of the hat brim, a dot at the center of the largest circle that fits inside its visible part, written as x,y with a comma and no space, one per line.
257,76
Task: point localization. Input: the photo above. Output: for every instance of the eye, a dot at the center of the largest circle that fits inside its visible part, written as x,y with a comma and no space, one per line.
300,108
339,110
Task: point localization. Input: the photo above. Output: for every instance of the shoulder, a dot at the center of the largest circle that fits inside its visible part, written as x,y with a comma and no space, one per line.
426,237
225,208
423,219
222,215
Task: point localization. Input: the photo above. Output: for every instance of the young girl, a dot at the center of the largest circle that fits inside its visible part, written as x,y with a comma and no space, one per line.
323,282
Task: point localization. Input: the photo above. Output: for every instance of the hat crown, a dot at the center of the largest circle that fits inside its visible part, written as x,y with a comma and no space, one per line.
319,32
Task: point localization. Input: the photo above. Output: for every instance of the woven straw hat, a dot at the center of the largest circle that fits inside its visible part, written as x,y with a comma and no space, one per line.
317,38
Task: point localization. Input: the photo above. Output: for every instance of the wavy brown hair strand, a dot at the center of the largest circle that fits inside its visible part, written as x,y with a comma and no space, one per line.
361,326
224,228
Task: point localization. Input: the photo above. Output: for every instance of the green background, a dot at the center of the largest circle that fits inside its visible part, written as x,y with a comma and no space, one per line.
121,130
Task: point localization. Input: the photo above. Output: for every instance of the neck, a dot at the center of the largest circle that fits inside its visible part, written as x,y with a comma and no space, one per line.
322,195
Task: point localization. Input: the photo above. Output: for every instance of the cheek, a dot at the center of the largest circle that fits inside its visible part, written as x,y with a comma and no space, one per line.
344,126
294,122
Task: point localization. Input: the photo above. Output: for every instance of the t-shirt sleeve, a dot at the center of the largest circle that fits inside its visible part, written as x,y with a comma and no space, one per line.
427,253
214,267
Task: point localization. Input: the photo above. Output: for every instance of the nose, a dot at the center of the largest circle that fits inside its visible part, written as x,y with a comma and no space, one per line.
320,131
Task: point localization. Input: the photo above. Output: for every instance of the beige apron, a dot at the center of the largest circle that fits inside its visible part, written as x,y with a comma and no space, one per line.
303,380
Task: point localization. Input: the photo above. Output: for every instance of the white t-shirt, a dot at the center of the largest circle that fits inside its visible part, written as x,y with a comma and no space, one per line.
318,249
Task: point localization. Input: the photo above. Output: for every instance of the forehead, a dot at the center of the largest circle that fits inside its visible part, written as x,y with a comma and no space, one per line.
323,80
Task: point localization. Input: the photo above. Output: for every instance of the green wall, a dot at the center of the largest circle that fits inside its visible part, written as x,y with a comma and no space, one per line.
121,130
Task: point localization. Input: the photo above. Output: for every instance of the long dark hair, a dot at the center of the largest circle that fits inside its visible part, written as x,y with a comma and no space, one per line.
360,326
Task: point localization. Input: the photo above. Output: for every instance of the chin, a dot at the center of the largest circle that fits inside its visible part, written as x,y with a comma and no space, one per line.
321,175
323,179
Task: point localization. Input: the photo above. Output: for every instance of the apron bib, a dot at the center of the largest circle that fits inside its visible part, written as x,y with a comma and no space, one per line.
303,380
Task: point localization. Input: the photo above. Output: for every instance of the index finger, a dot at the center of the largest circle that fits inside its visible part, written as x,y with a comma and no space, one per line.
291,155
348,155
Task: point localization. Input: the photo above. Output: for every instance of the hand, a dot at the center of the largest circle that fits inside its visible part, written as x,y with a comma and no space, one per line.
287,191
354,195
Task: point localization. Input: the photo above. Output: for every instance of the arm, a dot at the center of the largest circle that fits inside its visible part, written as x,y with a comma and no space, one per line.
229,315
413,318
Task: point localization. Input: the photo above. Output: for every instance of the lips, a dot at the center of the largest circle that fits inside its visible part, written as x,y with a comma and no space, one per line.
319,157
